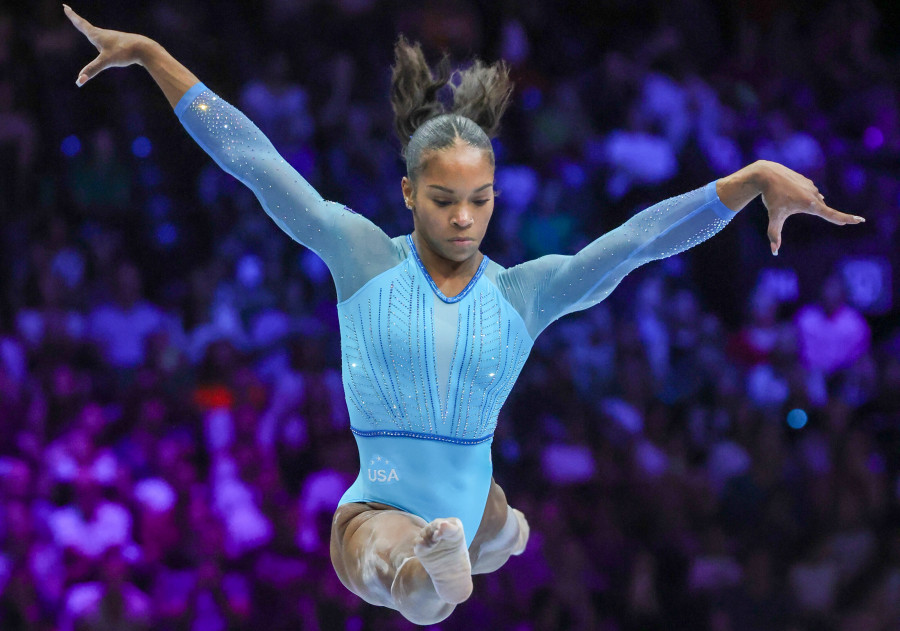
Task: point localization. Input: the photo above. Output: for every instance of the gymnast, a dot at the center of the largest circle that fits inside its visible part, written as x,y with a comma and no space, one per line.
434,333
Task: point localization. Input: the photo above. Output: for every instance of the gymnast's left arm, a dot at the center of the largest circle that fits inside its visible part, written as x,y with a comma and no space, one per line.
552,286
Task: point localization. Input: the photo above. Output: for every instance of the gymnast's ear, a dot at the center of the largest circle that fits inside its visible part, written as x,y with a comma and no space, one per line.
409,192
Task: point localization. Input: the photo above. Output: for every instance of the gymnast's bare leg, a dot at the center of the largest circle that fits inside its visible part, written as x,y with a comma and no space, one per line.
392,558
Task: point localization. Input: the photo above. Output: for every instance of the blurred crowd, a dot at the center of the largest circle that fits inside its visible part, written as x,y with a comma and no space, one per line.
714,447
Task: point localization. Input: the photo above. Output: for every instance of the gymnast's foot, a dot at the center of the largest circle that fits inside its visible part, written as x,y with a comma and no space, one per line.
524,531
441,548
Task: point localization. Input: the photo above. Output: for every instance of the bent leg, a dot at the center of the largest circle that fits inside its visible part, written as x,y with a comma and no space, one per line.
394,559
503,532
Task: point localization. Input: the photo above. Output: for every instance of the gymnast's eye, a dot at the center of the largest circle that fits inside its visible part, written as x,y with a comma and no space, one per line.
442,202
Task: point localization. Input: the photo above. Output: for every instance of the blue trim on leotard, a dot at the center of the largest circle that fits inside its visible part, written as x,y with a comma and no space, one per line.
434,287
422,436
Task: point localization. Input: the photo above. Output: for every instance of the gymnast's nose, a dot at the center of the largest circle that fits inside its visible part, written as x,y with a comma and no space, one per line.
462,218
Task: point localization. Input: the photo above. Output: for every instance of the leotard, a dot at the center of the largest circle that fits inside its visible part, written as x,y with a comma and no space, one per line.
425,375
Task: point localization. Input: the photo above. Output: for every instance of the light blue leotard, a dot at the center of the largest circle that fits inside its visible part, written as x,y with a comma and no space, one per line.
425,375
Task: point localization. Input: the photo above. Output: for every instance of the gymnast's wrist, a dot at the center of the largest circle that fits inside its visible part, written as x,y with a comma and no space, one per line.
759,175
738,189
147,51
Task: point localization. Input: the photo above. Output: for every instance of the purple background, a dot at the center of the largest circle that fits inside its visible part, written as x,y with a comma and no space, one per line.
174,432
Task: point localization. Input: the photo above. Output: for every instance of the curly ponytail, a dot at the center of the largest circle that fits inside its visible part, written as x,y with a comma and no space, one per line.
483,95
421,120
414,89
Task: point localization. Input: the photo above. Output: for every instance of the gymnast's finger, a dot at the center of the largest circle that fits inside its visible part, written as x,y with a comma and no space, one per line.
91,70
86,28
837,217
774,233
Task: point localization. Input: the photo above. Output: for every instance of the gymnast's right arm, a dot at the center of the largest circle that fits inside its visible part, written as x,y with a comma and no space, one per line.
354,249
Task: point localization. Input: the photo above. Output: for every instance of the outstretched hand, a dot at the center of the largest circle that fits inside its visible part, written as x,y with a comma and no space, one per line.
787,193
117,49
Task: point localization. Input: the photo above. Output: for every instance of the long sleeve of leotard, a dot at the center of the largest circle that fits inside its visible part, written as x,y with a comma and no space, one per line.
547,288
354,249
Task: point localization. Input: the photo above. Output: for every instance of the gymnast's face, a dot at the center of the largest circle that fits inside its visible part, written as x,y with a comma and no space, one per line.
452,201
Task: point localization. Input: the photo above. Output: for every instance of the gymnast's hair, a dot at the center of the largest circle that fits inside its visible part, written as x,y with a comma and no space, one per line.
420,119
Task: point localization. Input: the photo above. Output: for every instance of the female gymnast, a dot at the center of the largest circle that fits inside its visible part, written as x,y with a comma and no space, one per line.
433,333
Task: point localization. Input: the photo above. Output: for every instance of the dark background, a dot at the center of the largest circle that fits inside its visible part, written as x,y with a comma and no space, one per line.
175,436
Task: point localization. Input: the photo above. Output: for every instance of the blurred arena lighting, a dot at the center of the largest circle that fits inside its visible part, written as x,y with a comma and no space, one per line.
780,283
796,418
166,234
867,281
873,138
141,147
70,146
531,98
